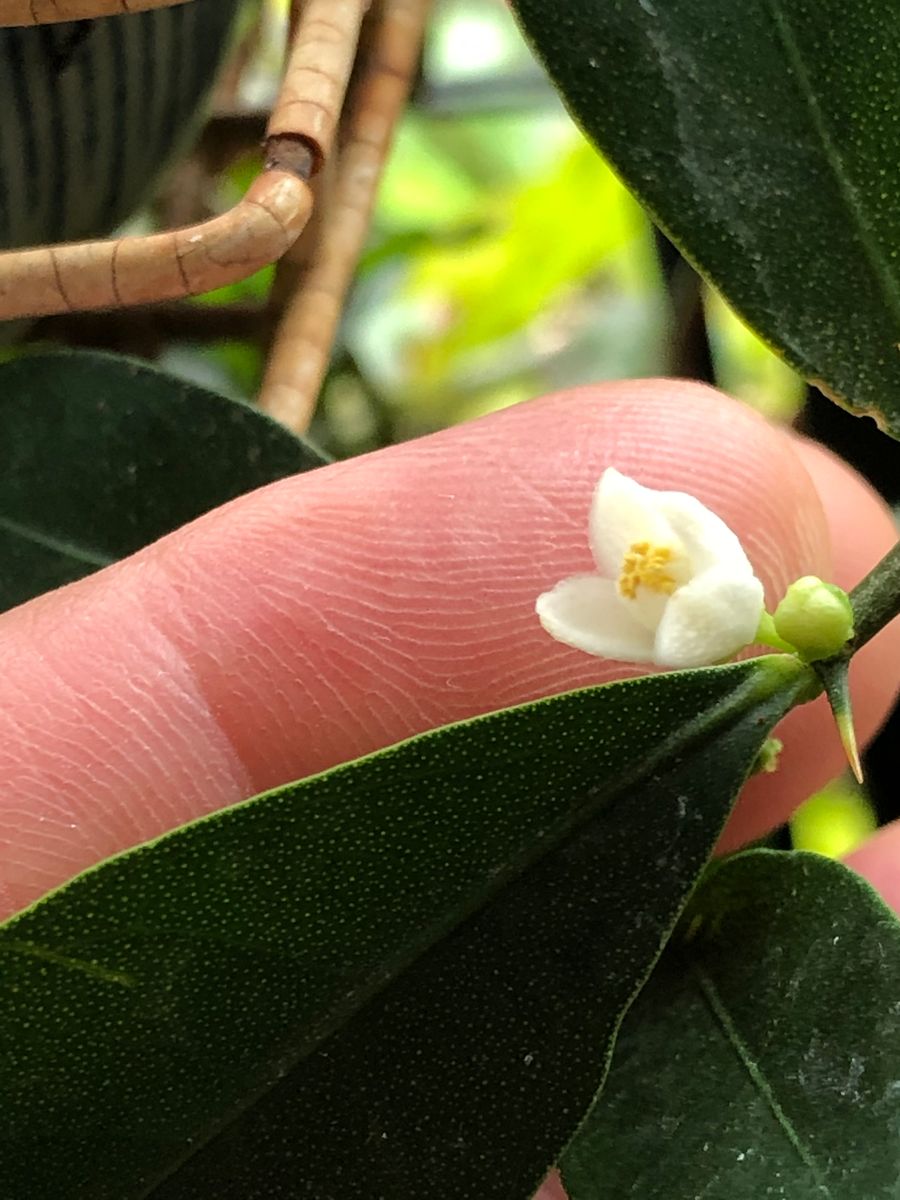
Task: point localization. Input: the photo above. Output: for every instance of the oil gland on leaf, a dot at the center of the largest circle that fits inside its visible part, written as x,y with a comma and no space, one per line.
673,585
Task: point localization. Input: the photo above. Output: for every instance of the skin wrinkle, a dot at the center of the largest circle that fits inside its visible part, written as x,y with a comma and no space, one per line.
55,778
394,675
763,549
256,653
553,509
108,817
123,724
334,682
185,689
142,725
281,713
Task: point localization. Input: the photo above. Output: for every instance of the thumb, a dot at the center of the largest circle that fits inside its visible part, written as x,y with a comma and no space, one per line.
330,614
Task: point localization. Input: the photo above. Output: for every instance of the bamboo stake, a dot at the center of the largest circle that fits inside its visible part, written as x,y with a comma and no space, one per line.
303,341
48,12
293,267
296,264
318,71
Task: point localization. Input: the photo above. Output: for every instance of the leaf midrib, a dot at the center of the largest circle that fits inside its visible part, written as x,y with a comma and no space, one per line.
871,247
60,546
720,1014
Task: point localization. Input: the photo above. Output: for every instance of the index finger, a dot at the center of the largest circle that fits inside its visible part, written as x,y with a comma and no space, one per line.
334,613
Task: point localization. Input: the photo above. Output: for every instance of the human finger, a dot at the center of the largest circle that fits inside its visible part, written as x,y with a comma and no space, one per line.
330,614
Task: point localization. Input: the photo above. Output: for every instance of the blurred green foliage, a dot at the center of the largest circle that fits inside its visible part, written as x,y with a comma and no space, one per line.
505,258
745,367
834,821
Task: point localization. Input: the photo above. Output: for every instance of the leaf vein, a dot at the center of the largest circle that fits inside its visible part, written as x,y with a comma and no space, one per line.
94,969
720,1013
60,546
868,241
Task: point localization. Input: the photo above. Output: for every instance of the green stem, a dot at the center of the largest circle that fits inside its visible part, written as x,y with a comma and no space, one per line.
766,636
876,600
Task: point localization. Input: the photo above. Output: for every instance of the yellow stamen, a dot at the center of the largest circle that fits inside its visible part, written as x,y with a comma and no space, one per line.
646,564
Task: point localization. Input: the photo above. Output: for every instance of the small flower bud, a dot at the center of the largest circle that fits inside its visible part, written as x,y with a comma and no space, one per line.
767,760
815,617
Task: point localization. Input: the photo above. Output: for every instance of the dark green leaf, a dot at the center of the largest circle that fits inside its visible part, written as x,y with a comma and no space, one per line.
763,137
763,1057
396,979
101,455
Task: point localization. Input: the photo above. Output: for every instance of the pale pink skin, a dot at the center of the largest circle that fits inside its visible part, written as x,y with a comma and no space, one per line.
332,614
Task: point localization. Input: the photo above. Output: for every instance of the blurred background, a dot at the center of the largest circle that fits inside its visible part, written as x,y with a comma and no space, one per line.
505,260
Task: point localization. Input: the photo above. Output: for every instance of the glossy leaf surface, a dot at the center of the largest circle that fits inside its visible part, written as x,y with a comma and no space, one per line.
509,881
762,1058
101,455
763,137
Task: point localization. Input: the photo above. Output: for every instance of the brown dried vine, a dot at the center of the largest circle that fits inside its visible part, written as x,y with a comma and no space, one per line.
48,12
317,272
314,131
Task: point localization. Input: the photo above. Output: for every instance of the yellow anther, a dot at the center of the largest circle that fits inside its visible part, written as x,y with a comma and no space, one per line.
646,564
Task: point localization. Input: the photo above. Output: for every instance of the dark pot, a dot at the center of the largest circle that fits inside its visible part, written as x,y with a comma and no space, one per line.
90,111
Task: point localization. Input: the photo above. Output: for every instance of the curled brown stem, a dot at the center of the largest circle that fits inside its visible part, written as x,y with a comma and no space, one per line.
164,266
268,224
256,232
47,12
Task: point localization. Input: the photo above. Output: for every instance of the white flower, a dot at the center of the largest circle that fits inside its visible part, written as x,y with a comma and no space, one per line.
674,586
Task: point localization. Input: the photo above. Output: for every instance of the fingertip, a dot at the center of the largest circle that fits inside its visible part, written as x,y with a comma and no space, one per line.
687,436
860,524
878,861
552,1188
860,531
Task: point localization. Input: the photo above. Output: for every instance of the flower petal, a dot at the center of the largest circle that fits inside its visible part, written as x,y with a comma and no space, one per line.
623,513
709,619
586,612
646,607
707,540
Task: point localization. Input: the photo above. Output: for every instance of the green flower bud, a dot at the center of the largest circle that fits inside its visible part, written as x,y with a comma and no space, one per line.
767,760
815,617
